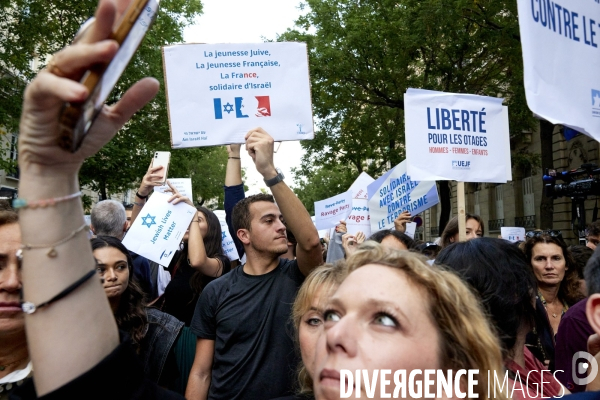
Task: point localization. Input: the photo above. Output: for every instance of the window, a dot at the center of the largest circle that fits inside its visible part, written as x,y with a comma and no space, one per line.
499,195
528,197
14,153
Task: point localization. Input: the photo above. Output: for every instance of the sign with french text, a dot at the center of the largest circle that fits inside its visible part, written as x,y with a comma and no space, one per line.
329,212
359,219
459,137
183,186
561,59
159,228
512,234
395,192
216,93
228,243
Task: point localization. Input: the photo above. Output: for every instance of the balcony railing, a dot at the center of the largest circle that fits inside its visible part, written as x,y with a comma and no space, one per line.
496,224
434,231
527,222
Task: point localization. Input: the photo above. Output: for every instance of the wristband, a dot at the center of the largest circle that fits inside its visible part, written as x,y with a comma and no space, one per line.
235,158
137,194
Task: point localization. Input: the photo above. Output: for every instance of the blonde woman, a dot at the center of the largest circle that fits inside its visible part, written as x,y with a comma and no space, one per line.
395,312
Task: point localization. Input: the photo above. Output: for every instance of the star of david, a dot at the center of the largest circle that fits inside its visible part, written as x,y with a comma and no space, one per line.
228,108
223,234
148,221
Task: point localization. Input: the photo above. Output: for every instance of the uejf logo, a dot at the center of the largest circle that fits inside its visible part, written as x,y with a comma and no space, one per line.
595,103
581,368
461,164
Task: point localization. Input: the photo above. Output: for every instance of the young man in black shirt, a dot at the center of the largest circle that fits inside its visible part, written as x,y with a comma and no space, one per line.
245,347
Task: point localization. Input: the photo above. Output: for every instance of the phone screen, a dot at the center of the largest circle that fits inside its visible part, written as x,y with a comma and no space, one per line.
113,72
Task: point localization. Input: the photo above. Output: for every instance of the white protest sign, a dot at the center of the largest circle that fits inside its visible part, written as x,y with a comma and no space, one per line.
458,137
216,93
329,212
512,234
359,219
228,243
183,185
561,61
159,228
395,192
411,228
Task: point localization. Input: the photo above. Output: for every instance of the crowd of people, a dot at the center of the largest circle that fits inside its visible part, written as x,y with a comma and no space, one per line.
89,319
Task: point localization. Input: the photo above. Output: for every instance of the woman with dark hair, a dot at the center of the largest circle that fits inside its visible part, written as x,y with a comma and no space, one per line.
152,332
200,261
558,288
393,239
474,227
500,274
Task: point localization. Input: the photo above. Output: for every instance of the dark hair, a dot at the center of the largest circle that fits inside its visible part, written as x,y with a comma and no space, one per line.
502,277
402,237
131,314
241,216
581,255
213,244
8,217
569,287
593,229
592,273
452,229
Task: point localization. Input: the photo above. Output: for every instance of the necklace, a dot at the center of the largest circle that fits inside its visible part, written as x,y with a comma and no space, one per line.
4,366
554,315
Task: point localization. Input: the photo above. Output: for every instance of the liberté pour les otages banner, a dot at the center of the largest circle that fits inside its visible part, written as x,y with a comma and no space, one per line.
216,93
461,137
561,58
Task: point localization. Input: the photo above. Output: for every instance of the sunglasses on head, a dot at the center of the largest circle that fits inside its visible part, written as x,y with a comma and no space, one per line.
547,232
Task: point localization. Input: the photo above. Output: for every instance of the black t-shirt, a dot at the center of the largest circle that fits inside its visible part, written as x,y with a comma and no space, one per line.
180,298
248,317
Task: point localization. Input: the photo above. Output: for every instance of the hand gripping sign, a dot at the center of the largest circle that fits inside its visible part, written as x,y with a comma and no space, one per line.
216,93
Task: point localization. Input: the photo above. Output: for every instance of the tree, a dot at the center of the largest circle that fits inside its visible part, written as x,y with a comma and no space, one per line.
364,55
36,28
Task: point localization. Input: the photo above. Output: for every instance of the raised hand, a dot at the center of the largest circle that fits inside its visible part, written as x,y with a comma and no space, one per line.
400,222
259,145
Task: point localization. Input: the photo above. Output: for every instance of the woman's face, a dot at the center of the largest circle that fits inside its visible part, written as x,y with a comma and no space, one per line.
311,328
112,266
377,319
202,223
473,230
548,264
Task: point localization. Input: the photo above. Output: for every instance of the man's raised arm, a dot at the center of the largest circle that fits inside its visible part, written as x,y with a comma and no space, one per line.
308,252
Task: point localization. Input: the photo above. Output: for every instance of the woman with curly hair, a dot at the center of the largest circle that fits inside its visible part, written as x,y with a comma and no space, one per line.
152,332
558,288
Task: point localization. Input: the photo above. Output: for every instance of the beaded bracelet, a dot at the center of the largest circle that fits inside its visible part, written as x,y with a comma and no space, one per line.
22,203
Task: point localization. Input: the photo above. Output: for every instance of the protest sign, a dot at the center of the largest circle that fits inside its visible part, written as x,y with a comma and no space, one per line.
561,60
512,234
228,244
411,228
329,212
183,186
458,137
359,219
159,228
395,192
216,93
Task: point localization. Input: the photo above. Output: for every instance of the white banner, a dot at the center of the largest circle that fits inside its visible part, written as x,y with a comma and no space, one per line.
359,219
183,185
561,60
459,137
159,228
216,93
228,243
395,192
512,234
329,212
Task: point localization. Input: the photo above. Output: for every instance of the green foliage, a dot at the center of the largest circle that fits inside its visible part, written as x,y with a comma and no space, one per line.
523,160
364,56
39,28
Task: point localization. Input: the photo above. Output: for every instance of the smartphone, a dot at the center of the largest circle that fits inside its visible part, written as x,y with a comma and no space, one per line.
162,158
76,119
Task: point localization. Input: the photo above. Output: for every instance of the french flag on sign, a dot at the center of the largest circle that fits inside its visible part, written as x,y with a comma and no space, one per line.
224,107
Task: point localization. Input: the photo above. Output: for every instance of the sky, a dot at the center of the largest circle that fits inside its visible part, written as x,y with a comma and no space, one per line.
241,21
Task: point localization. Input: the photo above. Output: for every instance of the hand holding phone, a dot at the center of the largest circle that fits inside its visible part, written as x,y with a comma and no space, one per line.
162,159
76,119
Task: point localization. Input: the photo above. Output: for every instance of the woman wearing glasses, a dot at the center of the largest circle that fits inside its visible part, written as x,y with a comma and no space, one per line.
558,288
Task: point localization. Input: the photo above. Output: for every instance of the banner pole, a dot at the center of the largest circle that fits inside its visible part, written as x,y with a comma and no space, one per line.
462,217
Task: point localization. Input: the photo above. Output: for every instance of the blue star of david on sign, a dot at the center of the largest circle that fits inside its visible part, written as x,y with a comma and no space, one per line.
228,108
148,221
223,234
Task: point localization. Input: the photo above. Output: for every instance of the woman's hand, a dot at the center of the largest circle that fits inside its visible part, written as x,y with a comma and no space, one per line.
151,180
47,93
349,244
400,222
341,227
177,197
